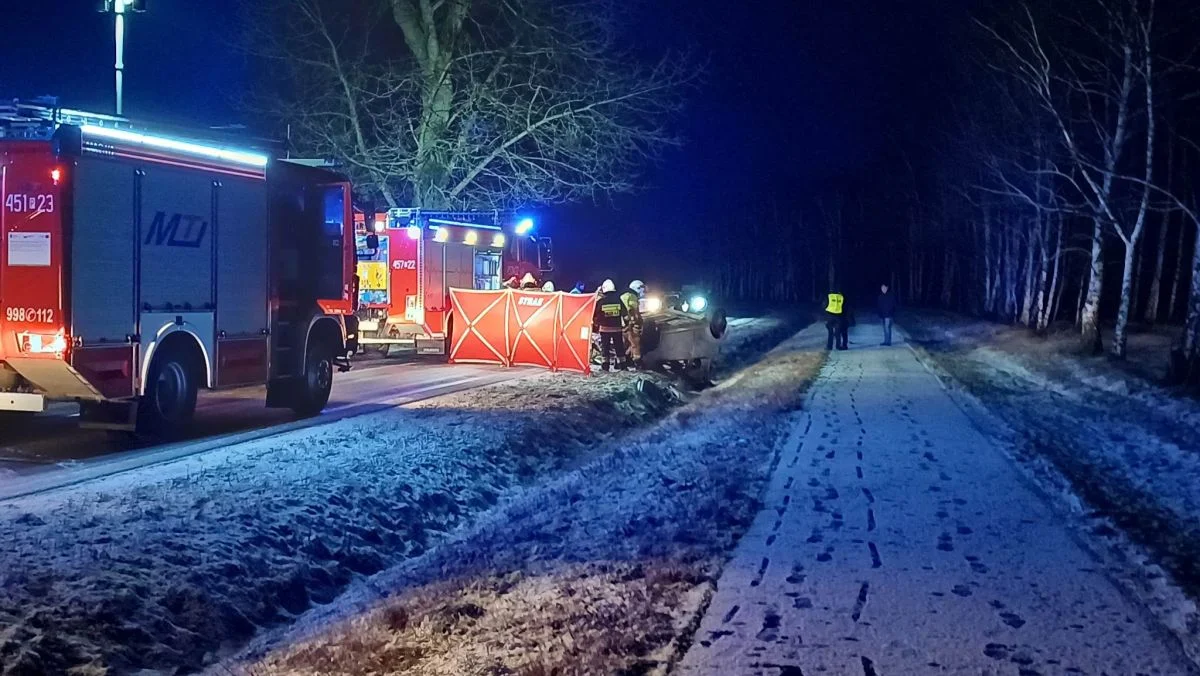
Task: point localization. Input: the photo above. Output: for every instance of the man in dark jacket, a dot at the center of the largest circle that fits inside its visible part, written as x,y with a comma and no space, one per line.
887,311
610,319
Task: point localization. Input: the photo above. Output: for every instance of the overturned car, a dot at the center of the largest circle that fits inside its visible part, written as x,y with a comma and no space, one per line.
682,333
683,342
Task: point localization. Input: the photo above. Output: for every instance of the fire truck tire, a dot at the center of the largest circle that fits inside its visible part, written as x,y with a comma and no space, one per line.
317,382
170,398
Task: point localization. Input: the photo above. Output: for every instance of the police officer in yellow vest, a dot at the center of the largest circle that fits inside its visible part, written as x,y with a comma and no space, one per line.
836,323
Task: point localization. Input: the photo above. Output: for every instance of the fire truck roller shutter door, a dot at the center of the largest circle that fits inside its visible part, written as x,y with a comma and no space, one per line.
460,266
103,299
178,227
102,245
435,289
177,231
242,285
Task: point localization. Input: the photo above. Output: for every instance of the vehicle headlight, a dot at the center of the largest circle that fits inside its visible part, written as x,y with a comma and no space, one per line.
698,304
653,304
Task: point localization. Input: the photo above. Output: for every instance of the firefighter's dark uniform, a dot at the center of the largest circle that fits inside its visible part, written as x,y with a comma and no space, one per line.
610,319
836,323
633,327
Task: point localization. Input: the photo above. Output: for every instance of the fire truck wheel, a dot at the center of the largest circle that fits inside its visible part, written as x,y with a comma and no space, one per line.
318,380
170,398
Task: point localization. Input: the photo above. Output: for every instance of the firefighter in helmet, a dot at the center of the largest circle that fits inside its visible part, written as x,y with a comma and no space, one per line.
632,299
610,318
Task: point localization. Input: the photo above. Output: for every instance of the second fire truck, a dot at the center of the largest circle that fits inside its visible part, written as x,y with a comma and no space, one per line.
409,259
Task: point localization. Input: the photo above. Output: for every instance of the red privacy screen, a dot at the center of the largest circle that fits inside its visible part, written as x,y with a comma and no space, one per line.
480,327
522,328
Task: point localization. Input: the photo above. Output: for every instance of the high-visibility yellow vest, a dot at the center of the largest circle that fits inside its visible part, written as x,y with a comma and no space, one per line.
835,304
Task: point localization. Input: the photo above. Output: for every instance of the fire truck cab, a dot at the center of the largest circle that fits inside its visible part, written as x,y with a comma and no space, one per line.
409,259
137,267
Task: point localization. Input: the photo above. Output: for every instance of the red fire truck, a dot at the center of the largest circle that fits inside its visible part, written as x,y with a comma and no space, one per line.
137,267
411,258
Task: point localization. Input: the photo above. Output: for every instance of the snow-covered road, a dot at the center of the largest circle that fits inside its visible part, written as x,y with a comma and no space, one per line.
50,450
897,539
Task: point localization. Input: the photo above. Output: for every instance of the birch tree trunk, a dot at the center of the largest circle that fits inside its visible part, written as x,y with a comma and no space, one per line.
948,280
1048,281
1083,287
1177,280
989,281
1121,334
1139,273
1033,238
1089,314
1011,256
1185,360
1133,239
1152,303
1056,309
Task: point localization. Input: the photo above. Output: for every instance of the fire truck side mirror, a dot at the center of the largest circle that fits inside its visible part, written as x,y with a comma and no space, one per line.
545,250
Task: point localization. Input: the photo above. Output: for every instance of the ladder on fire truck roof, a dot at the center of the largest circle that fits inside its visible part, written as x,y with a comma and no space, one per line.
38,119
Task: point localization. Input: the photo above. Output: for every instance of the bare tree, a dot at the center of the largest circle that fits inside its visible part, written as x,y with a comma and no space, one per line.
1136,31
479,103
1089,95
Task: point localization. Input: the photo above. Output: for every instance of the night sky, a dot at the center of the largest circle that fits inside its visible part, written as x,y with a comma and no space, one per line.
796,94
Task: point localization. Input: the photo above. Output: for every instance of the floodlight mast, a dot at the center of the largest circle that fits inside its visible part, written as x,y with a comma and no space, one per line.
119,8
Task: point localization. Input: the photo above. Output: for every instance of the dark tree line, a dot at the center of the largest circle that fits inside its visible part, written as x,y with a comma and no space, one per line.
1066,188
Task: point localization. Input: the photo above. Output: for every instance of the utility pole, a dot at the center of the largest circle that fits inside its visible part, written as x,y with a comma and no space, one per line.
119,8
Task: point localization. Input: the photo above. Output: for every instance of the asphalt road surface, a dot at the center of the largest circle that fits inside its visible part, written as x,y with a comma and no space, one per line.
47,450
897,539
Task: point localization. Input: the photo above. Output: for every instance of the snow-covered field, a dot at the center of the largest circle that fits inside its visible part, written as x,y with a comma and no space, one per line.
629,541
175,566
1121,451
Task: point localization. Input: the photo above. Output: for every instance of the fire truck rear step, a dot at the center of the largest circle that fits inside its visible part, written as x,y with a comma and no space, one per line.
22,402
53,375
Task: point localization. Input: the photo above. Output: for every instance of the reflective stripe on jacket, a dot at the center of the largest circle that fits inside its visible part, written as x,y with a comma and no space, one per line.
610,313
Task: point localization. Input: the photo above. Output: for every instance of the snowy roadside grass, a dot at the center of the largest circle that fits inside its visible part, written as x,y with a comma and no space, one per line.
1117,449
171,567
605,569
